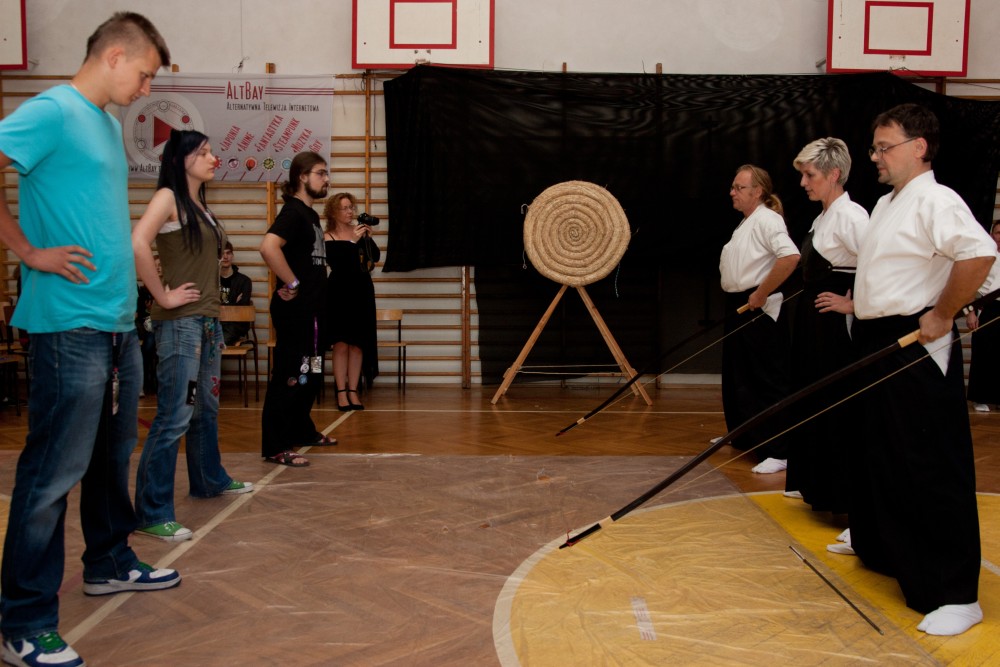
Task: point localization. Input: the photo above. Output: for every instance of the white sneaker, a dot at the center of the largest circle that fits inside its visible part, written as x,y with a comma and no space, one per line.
47,649
770,465
982,407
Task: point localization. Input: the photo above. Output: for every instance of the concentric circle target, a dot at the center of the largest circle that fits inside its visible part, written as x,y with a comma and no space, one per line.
575,233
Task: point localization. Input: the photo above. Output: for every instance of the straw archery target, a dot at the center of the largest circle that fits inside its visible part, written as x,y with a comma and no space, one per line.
575,233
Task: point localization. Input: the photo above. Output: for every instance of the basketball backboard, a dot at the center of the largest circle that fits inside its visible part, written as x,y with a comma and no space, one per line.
398,34
918,37
13,46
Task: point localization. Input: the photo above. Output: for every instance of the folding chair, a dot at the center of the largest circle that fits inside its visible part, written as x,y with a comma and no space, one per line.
244,349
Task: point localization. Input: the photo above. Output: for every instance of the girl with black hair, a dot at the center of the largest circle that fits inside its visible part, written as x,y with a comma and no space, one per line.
185,316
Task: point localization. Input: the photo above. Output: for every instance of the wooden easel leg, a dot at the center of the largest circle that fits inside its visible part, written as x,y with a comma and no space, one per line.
627,371
508,377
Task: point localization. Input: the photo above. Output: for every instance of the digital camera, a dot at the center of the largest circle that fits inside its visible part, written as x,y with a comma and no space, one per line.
365,219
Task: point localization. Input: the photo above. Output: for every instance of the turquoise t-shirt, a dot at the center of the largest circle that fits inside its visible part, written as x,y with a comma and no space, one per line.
73,190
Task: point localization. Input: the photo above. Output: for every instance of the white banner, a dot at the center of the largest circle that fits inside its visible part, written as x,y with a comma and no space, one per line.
255,123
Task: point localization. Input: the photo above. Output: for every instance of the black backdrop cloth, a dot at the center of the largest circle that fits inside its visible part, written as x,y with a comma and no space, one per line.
468,149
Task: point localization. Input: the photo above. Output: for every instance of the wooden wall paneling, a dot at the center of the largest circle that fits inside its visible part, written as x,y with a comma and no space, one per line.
441,316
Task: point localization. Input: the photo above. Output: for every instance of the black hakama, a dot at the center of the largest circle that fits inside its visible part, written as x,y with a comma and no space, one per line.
913,513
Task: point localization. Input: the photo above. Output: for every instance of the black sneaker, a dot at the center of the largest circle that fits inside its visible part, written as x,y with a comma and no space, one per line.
43,650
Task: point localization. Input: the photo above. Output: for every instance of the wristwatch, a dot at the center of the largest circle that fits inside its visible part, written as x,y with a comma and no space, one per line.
293,285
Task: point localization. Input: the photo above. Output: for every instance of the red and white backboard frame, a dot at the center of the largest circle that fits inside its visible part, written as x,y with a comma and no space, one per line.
914,37
13,35
398,34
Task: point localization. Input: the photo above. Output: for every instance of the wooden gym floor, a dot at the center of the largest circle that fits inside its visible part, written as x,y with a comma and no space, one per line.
430,534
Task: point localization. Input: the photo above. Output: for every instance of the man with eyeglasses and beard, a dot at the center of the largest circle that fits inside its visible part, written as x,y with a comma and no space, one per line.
294,251
913,512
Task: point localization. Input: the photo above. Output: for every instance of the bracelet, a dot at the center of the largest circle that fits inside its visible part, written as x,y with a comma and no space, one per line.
293,285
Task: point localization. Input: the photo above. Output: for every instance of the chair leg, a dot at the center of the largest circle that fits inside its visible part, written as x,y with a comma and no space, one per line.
256,378
242,370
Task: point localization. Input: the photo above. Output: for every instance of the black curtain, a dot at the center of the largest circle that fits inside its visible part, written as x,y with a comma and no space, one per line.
468,149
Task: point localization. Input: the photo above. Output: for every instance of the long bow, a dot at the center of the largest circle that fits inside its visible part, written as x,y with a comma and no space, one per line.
635,378
762,416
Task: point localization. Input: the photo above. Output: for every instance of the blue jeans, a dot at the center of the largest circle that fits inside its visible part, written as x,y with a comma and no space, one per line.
187,403
72,436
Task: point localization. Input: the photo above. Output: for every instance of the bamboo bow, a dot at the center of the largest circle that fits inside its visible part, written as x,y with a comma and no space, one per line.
763,415
635,378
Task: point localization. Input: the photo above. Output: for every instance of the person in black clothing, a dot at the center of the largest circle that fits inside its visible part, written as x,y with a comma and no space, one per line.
293,250
984,368
235,289
818,460
351,254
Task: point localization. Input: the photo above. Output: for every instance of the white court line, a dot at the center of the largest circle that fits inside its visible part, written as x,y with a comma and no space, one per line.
117,600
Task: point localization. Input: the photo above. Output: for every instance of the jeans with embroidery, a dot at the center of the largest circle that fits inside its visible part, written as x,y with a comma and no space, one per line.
187,404
72,437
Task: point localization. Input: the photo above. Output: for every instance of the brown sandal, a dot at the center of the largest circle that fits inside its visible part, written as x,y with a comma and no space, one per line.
288,459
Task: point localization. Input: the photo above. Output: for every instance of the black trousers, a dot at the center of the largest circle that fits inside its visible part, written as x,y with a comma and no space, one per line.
913,511
755,375
285,420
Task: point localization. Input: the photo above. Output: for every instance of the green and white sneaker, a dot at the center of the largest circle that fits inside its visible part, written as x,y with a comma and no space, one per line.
44,649
171,531
238,487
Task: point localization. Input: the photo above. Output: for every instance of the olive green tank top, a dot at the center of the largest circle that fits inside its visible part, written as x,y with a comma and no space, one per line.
182,264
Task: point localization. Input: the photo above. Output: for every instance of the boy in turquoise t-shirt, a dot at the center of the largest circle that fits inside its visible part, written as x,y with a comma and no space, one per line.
77,302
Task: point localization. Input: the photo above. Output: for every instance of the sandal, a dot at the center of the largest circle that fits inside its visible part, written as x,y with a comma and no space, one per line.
325,441
352,404
288,459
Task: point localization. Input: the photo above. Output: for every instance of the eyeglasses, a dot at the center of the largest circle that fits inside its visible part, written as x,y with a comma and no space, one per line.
322,173
739,188
882,150
348,208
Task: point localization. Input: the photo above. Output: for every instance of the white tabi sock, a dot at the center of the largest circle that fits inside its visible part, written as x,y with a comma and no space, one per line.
770,465
845,548
951,619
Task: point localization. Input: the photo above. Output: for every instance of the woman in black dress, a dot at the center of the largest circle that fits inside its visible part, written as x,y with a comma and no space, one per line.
351,254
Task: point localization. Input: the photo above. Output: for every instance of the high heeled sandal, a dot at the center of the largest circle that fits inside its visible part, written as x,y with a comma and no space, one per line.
344,408
354,406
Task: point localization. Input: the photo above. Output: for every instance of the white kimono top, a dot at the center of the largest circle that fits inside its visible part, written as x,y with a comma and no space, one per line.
759,240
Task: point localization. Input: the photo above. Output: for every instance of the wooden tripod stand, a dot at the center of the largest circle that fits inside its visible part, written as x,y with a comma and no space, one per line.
627,371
